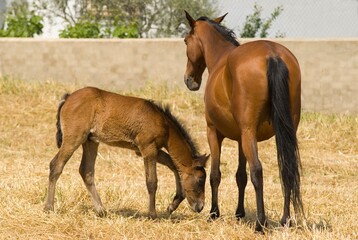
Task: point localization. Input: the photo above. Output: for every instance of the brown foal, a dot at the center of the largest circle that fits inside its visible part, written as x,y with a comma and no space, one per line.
90,116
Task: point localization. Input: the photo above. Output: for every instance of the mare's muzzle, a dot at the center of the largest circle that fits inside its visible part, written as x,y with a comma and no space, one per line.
191,83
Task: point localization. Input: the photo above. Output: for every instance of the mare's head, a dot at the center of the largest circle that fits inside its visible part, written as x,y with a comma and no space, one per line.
194,50
193,182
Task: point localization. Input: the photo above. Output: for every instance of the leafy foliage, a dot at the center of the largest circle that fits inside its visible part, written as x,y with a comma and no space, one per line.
135,18
93,29
21,22
256,26
82,29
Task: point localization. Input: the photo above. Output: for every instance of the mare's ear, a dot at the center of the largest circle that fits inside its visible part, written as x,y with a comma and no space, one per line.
220,19
190,19
201,160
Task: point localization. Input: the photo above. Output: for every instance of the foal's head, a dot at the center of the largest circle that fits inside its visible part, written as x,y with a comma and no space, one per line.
192,172
193,182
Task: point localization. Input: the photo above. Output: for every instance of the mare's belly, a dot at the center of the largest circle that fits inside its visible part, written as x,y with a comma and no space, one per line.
224,122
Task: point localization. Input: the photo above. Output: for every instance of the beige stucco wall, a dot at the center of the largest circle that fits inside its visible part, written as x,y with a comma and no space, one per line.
329,67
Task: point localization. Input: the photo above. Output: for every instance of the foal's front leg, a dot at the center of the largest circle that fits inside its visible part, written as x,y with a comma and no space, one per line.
165,159
151,181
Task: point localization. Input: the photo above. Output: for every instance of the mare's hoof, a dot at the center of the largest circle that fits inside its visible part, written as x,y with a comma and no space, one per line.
239,216
259,228
286,222
213,216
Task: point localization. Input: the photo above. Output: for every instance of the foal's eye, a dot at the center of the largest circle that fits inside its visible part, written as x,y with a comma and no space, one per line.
201,181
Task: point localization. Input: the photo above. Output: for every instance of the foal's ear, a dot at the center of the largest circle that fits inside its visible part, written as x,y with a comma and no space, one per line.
190,19
220,19
201,160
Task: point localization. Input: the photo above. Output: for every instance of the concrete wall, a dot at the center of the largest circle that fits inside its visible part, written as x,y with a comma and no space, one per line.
329,67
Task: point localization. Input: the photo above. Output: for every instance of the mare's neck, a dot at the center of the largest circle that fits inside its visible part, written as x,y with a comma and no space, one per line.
216,51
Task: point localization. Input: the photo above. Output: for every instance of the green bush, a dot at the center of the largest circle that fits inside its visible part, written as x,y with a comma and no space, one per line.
95,29
256,26
82,29
22,24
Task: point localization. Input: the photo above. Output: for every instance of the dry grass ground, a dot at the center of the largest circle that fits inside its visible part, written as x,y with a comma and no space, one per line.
329,152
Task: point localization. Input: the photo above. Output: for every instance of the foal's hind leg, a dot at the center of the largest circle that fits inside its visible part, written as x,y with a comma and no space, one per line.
165,159
87,173
241,181
56,167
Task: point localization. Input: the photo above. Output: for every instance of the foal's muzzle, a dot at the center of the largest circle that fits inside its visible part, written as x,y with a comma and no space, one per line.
197,207
191,83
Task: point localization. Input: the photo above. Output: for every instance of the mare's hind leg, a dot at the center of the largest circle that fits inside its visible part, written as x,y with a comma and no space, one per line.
215,140
241,181
56,167
165,159
249,147
87,173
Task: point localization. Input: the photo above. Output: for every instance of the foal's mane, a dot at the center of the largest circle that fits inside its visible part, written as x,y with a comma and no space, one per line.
226,32
180,127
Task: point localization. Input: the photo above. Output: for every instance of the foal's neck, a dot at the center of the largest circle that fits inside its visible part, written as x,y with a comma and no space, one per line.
179,149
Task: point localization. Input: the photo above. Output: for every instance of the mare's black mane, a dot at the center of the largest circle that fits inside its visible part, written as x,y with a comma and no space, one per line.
226,32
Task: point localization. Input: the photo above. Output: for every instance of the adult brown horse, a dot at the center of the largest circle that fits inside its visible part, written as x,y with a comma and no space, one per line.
90,116
253,92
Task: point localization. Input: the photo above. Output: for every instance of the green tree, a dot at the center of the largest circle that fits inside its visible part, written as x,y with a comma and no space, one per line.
21,22
256,26
81,29
128,18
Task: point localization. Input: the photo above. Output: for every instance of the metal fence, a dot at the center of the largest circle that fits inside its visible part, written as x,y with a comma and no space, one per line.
300,18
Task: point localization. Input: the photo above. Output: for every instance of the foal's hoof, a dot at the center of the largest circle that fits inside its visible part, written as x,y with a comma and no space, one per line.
101,214
152,216
170,209
48,208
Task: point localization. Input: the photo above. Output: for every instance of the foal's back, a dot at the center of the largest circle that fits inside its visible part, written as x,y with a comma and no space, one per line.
112,118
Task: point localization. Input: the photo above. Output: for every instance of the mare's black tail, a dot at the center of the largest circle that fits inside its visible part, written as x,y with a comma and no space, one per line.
58,122
287,148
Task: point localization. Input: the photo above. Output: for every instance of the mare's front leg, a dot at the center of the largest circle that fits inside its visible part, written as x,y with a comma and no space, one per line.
150,155
215,140
86,170
241,181
165,159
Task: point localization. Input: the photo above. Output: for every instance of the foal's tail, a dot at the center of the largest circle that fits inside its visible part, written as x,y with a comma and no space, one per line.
287,149
58,122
